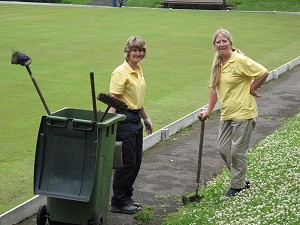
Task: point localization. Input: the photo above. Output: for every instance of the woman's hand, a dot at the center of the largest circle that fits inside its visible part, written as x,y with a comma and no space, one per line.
255,94
257,83
148,125
203,115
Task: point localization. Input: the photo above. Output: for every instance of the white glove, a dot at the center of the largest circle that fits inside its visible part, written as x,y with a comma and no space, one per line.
148,125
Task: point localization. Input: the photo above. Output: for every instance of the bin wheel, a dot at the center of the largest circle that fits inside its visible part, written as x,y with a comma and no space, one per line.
98,219
42,215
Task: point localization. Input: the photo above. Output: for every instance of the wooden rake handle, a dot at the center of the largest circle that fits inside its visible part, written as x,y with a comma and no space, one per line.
93,95
202,127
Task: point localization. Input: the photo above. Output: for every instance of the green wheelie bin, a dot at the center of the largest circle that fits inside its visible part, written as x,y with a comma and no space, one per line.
73,166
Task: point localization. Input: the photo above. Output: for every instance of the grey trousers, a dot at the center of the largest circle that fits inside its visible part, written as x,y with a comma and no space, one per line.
233,144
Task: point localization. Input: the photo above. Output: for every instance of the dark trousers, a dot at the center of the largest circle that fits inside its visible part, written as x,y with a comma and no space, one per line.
130,132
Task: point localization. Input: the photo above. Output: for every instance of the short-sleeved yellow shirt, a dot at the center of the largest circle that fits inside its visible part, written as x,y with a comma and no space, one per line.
129,84
233,89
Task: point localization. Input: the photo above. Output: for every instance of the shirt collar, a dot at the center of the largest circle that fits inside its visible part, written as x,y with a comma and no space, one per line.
230,60
233,56
129,69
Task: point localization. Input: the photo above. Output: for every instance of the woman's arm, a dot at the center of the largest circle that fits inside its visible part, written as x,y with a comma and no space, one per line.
211,103
257,83
147,121
113,110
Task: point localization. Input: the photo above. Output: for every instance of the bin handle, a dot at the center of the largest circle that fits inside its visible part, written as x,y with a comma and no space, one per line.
82,124
56,121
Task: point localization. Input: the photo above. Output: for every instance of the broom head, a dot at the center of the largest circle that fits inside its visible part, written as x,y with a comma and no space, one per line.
19,58
112,102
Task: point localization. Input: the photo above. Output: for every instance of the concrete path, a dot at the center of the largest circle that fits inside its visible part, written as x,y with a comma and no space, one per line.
169,168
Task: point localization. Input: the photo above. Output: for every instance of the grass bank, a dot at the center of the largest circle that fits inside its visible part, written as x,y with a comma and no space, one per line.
274,194
241,5
267,5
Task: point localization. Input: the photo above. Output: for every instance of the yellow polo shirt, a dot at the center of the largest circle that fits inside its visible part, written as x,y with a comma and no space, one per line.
233,90
129,84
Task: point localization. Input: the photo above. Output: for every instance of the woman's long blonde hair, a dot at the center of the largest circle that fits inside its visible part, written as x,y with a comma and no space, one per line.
216,65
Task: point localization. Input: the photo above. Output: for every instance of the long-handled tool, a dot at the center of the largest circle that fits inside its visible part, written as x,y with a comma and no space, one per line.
197,197
19,58
93,95
111,102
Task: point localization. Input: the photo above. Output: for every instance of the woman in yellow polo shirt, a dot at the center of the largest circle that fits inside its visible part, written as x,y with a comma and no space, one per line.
234,81
128,85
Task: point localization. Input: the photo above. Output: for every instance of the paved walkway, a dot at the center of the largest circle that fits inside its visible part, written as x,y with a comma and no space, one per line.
169,168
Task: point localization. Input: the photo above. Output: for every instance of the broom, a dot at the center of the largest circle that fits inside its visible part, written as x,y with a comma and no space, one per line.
111,102
19,58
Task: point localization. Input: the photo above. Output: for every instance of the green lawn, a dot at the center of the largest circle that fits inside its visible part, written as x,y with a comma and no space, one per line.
241,5
267,5
66,43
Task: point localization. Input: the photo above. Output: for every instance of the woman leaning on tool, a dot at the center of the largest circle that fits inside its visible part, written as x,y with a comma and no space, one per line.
234,81
128,85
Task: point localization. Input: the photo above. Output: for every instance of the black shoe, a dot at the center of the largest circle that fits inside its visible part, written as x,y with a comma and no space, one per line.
231,192
247,184
127,209
136,204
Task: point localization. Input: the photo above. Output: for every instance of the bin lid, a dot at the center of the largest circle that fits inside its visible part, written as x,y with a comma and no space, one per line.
65,160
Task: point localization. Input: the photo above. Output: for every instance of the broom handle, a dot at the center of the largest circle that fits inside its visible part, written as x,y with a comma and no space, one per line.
38,90
200,153
104,114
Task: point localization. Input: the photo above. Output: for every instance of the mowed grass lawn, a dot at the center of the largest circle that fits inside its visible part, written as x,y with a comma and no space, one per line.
66,43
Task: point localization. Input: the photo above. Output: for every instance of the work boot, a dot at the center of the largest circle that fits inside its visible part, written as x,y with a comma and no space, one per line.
231,192
134,203
127,209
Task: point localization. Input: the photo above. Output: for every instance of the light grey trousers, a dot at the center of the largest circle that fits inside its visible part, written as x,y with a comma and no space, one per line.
233,144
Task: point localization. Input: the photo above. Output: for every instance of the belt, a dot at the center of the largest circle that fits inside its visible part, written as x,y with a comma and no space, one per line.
134,111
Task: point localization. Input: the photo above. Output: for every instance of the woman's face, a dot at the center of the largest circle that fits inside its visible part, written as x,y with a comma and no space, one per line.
136,55
222,44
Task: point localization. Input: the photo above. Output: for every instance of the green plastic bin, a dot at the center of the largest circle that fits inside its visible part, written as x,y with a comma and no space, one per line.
73,166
